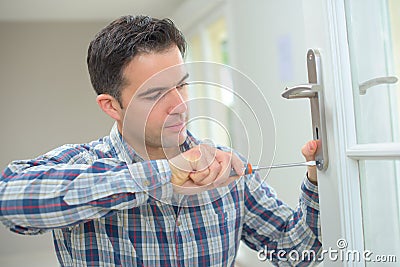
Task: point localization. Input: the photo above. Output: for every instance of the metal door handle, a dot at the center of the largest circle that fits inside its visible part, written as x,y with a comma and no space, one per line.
313,91
376,81
300,91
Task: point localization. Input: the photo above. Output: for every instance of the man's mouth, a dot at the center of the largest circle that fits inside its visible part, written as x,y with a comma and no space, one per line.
176,127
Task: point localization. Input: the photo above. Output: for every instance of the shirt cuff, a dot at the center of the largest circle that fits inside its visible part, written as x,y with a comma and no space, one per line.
157,186
310,194
150,175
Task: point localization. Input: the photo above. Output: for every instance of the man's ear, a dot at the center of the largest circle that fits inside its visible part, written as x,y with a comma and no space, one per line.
110,106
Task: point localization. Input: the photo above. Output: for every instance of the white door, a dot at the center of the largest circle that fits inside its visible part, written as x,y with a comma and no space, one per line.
360,191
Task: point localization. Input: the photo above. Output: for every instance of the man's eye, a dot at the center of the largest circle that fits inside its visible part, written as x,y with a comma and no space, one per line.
158,94
181,86
155,96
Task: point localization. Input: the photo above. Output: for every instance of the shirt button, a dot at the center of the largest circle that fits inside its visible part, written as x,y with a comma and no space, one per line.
146,183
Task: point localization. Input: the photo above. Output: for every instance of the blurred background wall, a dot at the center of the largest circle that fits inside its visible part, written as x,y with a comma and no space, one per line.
47,100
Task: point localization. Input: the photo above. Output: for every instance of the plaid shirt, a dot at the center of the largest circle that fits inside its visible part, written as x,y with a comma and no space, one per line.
106,212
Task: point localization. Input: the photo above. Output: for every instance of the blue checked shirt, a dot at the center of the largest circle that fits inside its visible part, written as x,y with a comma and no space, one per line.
108,207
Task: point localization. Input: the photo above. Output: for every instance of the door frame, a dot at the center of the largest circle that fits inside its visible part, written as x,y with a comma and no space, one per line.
339,186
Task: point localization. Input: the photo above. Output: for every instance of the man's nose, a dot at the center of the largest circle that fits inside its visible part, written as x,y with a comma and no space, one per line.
176,101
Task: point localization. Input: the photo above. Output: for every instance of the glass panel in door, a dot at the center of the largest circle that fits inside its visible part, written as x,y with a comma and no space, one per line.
380,185
374,41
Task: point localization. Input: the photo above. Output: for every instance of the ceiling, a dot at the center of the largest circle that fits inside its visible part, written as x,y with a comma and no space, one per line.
83,10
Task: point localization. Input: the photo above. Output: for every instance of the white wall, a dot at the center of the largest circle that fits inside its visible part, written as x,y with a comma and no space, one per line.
259,27
46,101
268,45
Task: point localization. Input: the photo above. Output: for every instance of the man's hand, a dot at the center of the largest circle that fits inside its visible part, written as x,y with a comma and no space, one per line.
308,151
203,168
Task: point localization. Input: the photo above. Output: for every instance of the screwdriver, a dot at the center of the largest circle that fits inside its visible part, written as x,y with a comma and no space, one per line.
250,169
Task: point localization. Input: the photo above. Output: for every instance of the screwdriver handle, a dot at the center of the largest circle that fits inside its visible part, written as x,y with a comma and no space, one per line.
248,170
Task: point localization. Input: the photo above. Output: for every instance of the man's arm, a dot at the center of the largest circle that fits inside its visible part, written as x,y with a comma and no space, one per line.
67,186
273,227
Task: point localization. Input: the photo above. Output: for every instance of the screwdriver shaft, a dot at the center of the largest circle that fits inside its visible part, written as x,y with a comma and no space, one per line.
250,169
285,165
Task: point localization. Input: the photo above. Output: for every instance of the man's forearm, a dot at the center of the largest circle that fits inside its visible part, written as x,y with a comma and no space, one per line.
43,195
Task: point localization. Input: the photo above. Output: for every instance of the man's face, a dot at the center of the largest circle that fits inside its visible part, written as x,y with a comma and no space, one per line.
154,101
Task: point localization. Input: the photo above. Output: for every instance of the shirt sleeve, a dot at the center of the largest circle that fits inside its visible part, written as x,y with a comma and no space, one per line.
65,187
278,232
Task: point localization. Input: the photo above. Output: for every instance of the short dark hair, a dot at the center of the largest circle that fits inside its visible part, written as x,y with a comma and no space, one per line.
118,43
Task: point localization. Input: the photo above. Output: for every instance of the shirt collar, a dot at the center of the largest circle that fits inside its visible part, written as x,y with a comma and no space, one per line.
128,154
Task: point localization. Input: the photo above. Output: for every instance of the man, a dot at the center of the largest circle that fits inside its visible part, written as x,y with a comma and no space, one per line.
117,201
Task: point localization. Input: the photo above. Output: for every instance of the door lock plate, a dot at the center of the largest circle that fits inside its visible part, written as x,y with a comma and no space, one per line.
314,91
